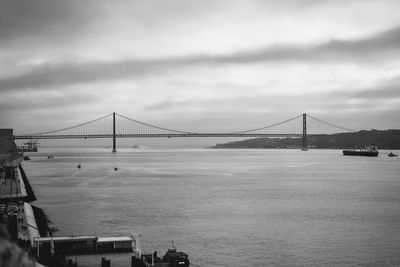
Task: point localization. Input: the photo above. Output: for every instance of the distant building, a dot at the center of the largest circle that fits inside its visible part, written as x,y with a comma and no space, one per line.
9,156
7,144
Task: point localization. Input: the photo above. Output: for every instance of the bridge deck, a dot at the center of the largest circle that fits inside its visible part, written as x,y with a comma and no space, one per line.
168,135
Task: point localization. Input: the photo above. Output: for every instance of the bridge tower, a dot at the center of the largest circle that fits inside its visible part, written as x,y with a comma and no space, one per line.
114,137
304,147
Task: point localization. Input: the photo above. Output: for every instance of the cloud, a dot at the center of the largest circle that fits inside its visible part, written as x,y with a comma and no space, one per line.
382,90
23,18
168,104
378,47
36,19
66,73
382,95
373,47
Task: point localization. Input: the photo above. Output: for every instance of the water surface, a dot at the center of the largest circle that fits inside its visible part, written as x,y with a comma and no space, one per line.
229,207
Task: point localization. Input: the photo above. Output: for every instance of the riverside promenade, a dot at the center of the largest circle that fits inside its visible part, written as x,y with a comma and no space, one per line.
17,216
12,186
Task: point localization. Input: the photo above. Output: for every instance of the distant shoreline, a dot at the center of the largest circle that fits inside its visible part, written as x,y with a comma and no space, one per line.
384,139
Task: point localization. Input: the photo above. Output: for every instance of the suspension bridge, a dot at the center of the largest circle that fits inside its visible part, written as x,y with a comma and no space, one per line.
119,126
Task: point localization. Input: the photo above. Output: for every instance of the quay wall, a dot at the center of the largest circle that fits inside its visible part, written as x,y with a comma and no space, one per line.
29,191
43,222
31,222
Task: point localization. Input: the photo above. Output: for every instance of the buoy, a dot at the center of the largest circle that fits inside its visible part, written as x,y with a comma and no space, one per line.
79,164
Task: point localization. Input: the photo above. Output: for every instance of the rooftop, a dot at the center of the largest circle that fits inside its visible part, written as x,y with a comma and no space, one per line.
66,238
86,238
115,239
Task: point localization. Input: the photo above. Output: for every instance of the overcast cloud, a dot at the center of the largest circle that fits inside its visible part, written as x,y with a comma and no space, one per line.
199,64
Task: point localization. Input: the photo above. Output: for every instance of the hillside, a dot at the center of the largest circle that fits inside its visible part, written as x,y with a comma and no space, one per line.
385,139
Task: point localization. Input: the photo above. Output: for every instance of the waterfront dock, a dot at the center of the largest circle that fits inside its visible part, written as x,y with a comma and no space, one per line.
12,185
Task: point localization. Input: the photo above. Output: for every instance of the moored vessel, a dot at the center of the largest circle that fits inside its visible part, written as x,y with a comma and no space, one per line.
172,258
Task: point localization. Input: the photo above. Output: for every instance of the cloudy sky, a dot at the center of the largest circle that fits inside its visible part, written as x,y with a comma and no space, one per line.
190,65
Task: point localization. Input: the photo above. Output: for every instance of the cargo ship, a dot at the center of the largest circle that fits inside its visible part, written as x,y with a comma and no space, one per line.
370,151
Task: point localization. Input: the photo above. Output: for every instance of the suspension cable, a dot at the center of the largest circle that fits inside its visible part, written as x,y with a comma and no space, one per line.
72,127
185,132
266,127
331,124
153,126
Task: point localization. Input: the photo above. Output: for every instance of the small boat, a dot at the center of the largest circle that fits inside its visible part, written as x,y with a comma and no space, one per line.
79,164
27,158
370,151
391,154
50,157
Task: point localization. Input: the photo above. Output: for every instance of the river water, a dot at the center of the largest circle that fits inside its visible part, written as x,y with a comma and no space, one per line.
229,207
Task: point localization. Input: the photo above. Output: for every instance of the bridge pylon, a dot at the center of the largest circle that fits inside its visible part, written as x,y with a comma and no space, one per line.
304,147
114,135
